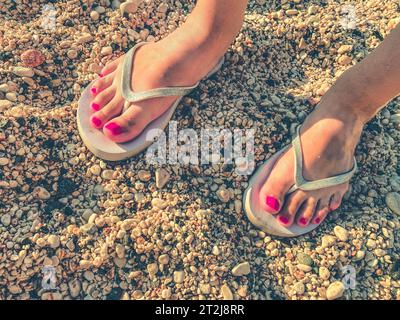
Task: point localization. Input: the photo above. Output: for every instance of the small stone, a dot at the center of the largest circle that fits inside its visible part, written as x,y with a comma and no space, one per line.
312,10
4,105
95,169
179,276
4,161
74,287
5,219
120,251
205,288
152,268
163,7
303,258
32,58
341,233
241,269
86,214
162,177
106,51
360,254
54,241
159,203
223,195
328,241
23,72
371,244
84,38
345,48
72,54
166,293
4,88
144,175
226,292
304,267
344,60
41,193
291,12
324,273
393,202
107,174
215,251
129,7
163,259
335,290
299,288
94,15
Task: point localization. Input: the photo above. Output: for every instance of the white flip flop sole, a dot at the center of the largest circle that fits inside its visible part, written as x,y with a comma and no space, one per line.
265,221
104,148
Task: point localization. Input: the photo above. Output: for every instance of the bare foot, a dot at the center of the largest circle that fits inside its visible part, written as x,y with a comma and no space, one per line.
329,137
178,60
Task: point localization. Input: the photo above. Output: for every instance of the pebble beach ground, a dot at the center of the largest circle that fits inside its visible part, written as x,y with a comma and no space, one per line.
129,230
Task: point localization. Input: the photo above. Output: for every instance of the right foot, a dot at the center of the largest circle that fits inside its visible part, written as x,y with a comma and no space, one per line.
178,60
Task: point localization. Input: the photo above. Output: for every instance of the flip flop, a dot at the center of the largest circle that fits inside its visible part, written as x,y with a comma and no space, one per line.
268,222
106,149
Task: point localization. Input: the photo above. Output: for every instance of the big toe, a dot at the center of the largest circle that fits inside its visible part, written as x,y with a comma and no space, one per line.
127,126
272,193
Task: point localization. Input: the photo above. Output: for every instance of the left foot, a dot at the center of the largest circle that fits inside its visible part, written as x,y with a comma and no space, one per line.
329,137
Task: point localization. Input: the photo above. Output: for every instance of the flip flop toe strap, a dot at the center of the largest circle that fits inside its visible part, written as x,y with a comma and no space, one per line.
131,96
303,184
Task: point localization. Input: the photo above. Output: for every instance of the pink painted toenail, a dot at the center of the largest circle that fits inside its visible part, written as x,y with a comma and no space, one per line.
95,106
284,220
114,128
101,75
273,203
96,121
93,90
303,221
317,220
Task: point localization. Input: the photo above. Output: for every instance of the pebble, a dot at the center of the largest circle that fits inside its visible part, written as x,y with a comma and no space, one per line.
344,60
341,233
85,38
107,174
144,175
324,273
163,259
335,290
304,267
106,51
95,169
23,72
166,293
94,15
242,269
305,259
179,276
345,48
5,219
4,105
223,195
226,292
72,54
393,202
205,288
41,193
159,203
299,288
54,241
152,269
4,161
32,58
74,288
162,177
129,7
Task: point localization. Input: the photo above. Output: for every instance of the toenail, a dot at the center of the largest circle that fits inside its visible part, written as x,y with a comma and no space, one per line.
114,128
96,121
303,221
317,220
101,75
95,106
93,90
283,219
272,202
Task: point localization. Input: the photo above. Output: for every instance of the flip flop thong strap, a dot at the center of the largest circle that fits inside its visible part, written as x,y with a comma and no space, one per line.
303,184
131,96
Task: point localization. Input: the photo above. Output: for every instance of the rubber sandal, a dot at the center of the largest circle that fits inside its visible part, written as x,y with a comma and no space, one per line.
268,222
104,148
